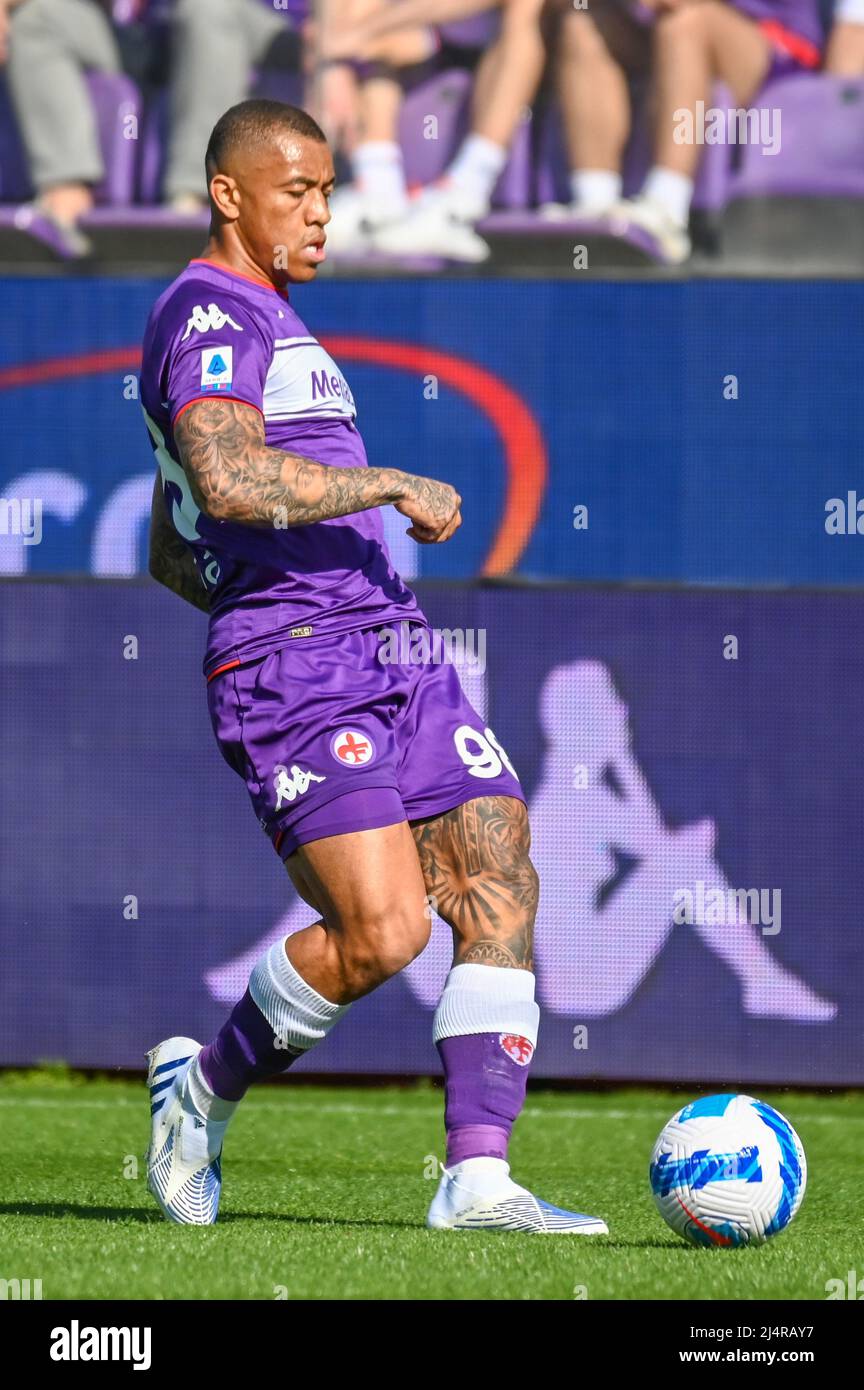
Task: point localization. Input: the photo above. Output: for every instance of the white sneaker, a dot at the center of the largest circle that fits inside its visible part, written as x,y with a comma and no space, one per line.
183,1168
572,212
479,1194
354,220
666,238
434,226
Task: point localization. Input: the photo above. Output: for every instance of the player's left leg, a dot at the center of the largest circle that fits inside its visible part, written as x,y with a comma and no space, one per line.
845,54
480,880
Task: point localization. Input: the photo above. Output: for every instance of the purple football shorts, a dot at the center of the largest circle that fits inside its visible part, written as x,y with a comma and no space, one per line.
329,739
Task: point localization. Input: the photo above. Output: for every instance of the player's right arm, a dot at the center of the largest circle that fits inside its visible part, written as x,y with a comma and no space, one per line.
235,476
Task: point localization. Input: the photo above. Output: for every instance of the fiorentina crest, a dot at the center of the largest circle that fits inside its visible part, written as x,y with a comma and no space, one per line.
519,1050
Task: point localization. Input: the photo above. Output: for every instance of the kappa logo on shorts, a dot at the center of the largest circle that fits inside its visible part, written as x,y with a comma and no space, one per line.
518,1049
352,747
290,787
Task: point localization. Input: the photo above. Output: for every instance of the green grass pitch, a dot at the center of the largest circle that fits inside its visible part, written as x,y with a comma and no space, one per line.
326,1192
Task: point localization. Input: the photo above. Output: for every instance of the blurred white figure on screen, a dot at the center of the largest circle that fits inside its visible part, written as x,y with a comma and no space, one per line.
596,940
595,947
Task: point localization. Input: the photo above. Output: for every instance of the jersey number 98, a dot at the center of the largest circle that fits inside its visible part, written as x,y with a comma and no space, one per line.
481,753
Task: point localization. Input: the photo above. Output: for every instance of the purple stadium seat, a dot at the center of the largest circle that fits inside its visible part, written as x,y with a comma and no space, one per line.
714,175
114,98
551,164
151,155
15,186
117,102
273,85
477,32
428,150
821,151
513,189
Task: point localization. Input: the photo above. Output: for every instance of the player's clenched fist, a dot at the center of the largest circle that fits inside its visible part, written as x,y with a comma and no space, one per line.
433,507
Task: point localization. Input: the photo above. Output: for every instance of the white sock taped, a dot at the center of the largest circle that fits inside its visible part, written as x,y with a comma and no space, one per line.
487,999
299,1016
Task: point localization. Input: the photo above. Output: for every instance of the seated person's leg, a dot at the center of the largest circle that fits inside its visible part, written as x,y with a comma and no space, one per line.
694,47
506,83
845,56
52,44
215,45
597,50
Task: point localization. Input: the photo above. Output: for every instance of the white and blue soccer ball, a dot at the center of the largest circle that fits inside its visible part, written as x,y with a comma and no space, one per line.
728,1170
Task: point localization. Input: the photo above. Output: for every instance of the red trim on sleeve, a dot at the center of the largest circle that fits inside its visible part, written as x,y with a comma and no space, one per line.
216,397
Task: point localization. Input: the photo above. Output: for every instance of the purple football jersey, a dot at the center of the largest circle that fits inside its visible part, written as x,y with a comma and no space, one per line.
217,334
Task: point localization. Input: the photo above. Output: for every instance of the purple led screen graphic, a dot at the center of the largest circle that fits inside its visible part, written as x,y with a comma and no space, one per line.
696,826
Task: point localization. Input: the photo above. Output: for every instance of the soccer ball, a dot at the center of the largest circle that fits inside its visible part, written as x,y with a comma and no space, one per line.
728,1170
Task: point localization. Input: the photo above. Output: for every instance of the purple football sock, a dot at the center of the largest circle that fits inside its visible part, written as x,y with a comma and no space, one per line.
485,1075
243,1051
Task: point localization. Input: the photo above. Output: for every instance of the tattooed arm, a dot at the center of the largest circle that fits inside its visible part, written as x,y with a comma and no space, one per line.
171,561
235,476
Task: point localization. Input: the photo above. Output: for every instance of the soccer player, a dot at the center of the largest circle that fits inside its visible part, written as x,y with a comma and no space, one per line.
377,783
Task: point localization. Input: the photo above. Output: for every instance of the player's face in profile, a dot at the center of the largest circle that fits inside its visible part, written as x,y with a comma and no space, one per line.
284,206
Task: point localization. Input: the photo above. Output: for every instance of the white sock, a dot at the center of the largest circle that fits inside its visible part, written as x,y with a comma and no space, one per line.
299,1016
672,191
380,174
478,1177
487,999
206,1102
595,188
475,172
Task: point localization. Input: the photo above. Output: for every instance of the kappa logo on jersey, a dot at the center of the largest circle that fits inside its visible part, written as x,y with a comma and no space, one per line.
211,318
352,747
291,785
518,1049
217,368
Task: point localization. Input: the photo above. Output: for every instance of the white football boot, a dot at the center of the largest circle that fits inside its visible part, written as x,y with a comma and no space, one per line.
183,1168
436,224
479,1195
347,233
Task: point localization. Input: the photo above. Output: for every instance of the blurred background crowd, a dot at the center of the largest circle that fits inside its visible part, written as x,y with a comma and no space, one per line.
572,111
